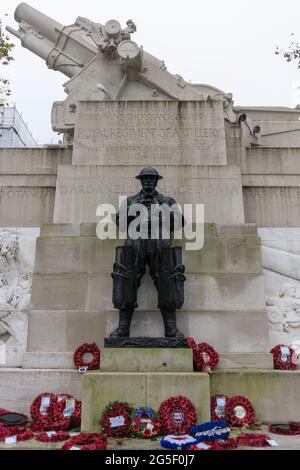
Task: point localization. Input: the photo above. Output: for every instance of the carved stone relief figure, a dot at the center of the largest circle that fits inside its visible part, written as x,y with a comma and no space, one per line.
16,266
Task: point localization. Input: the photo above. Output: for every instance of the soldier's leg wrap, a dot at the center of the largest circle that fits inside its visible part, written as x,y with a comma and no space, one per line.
170,289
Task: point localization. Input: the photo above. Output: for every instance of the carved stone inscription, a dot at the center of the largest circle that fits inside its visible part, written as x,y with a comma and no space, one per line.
149,133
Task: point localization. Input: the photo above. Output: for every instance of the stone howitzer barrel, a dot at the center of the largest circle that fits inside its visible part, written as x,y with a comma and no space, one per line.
66,49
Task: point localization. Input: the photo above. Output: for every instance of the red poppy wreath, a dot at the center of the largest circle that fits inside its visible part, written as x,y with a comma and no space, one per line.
116,419
209,355
6,431
85,348
197,356
239,411
25,435
90,441
41,406
66,407
284,429
176,415
53,436
284,357
52,412
253,440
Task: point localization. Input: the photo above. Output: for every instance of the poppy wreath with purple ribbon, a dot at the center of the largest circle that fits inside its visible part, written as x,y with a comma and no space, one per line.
144,423
177,415
239,411
115,410
290,361
209,355
85,348
88,441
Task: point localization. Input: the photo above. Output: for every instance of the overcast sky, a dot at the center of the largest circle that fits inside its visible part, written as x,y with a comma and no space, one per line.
229,44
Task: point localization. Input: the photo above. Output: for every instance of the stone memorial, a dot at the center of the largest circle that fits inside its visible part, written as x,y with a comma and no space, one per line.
123,112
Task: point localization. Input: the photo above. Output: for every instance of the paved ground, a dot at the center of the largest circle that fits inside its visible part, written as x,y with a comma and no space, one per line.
284,443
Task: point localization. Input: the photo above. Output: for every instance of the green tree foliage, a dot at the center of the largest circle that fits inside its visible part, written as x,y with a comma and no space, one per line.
5,58
292,54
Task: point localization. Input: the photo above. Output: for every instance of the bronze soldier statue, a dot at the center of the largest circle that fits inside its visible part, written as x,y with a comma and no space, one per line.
165,262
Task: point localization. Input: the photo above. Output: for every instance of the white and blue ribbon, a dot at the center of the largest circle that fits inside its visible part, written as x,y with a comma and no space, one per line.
178,442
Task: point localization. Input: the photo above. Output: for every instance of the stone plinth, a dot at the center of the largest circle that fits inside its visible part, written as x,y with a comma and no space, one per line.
141,389
145,360
147,133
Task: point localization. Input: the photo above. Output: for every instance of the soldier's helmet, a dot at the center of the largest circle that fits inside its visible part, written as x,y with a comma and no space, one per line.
149,172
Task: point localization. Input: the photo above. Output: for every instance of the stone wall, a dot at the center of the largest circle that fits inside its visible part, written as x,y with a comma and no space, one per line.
28,183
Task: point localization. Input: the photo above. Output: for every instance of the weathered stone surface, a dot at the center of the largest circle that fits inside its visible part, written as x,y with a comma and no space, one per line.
19,387
48,360
141,389
60,230
34,161
227,332
27,184
275,206
63,331
224,291
245,360
274,394
80,189
23,206
68,252
146,360
237,230
271,161
146,133
59,292
146,342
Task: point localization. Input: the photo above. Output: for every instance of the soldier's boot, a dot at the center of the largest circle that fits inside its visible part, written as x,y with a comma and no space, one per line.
123,330
171,331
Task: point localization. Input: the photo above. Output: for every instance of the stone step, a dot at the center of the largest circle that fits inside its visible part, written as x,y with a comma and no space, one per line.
146,360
